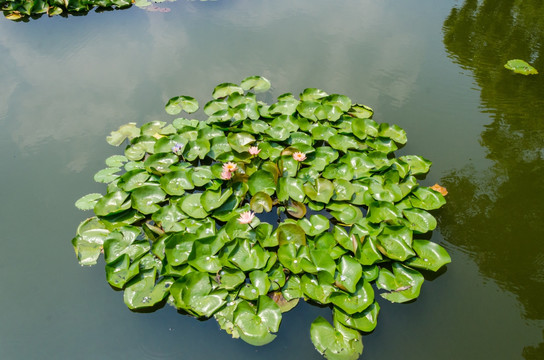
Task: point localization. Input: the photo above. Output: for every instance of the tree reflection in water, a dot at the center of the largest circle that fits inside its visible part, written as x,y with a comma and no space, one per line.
496,214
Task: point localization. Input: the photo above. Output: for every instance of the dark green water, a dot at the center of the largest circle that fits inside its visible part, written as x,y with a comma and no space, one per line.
432,67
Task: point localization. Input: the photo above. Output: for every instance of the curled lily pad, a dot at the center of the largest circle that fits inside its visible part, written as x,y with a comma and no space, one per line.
176,104
255,83
128,131
403,284
225,89
256,324
336,343
364,321
520,67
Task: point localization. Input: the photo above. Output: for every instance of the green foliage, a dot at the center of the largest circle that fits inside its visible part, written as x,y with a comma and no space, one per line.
23,10
178,219
520,67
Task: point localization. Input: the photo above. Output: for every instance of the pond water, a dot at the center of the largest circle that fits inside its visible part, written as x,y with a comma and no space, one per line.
433,67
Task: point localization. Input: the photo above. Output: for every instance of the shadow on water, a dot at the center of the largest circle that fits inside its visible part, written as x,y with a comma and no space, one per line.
496,214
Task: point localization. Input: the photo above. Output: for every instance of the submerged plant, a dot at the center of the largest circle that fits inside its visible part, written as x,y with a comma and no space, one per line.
336,212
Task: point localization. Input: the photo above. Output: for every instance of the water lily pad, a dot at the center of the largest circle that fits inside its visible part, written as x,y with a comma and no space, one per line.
336,343
192,206
311,94
430,256
315,225
364,321
256,324
520,67
321,191
128,131
112,203
225,89
145,199
261,180
88,201
395,242
350,272
363,128
145,292
418,164
176,182
427,199
420,220
176,104
160,163
403,284
107,175
355,302
256,83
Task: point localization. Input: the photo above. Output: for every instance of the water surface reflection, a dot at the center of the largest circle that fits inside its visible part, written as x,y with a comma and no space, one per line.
495,214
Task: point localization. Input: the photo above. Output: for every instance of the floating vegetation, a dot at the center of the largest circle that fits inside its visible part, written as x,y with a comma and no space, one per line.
186,216
32,9
520,67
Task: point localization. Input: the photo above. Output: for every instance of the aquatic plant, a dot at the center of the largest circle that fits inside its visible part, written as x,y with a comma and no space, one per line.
520,67
26,9
241,215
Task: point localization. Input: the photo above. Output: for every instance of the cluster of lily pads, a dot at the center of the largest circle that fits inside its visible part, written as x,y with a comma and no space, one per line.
25,9
240,215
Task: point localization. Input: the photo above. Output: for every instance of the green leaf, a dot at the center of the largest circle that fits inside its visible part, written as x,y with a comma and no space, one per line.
380,211
240,141
146,199
336,343
212,199
395,242
107,175
160,163
364,321
120,271
260,202
420,220
261,180
321,191
343,142
345,213
256,83
418,164
430,256
362,297
176,182
427,199
255,324
225,89
328,112
341,101
349,273
128,131
214,106
363,128
116,160
316,225
289,233
88,201
145,293
112,203
322,132
192,206
311,94
520,67
247,256
393,132
178,103
403,284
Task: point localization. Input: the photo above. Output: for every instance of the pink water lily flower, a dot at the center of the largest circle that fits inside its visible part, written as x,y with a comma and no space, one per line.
246,217
298,156
226,175
230,167
253,150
